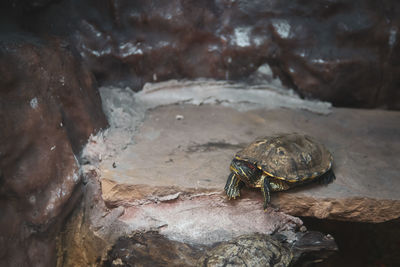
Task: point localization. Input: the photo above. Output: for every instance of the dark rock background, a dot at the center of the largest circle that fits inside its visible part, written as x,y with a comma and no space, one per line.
346,52
379,249
52,52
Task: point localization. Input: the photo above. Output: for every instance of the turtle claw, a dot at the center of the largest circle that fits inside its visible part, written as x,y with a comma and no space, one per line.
233,192
232,187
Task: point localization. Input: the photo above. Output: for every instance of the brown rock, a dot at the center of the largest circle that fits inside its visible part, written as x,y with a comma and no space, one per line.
181,232
343,52
49,107
80,243
173,157
151,249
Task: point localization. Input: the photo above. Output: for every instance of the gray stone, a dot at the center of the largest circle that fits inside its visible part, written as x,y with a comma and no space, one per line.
172,158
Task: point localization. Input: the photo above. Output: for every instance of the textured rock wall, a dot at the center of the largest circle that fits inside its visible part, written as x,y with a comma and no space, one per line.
49,106
340,51
346,52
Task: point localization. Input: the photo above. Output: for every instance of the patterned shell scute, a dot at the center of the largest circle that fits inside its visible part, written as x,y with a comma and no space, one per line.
291,157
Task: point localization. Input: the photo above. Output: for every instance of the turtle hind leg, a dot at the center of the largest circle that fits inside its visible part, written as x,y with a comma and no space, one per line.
233,186
266,190
327,177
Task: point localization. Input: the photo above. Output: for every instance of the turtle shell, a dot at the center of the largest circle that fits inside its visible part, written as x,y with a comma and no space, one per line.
290,157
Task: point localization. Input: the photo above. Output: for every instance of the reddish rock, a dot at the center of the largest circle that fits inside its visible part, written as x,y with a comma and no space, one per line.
49,106
346,52
180,230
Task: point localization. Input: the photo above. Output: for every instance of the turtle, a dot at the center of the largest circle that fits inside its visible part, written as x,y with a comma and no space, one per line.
279,162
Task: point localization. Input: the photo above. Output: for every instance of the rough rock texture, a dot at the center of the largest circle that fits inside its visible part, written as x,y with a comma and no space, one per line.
205,218
346,52
153,249
250,250
90,228
49,106
162,179
137,222
186,149
177,232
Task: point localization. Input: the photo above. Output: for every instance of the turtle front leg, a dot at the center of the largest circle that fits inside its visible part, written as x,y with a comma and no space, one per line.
265,188
233,185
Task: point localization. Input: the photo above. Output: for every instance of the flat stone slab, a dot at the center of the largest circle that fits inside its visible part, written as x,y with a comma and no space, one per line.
207,219
185,150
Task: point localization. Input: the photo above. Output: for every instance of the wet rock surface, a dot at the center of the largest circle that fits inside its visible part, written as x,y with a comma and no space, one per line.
339,51
49,107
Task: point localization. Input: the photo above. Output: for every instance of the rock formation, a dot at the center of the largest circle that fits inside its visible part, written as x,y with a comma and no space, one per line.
345,52
53,52
173,156
164,188
49,106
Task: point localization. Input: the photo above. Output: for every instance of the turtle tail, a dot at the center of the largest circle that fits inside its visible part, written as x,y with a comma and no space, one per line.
327,177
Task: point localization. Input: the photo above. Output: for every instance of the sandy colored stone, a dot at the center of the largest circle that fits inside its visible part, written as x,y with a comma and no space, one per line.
191,156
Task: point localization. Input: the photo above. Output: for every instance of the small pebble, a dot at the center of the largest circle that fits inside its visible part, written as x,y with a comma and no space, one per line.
179,117
117,262
303,229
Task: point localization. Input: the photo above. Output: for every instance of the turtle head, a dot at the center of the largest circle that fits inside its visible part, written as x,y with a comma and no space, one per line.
247,171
